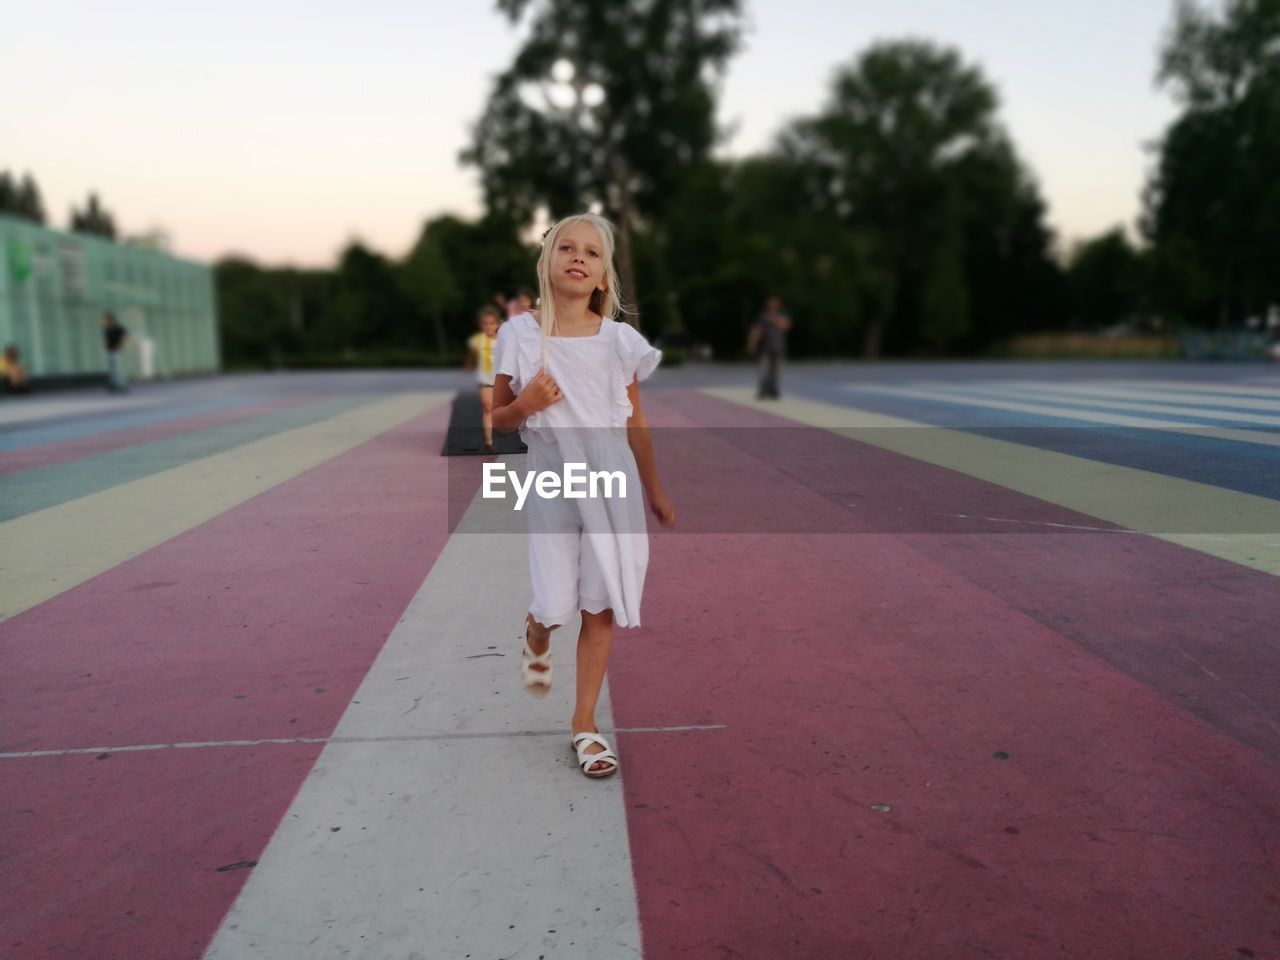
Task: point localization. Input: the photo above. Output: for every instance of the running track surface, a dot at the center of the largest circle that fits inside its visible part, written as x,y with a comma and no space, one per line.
940,716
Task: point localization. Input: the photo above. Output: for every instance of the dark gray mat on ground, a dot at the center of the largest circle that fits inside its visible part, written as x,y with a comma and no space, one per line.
465,436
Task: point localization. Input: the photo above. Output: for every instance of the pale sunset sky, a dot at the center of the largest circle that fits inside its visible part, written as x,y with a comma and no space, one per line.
283,130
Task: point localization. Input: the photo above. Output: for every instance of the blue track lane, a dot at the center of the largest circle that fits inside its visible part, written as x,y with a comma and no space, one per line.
1230,464
72,426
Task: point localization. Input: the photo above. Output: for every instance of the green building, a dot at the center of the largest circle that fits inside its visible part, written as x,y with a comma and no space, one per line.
55,287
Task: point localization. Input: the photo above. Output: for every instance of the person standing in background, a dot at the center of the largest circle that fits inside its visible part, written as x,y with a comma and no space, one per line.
480,360
522,302
768,337
115,336
13,373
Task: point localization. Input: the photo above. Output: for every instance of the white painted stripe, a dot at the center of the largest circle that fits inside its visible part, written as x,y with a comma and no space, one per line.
1049,523
1111,419
460,832
1133,393
1076,397
134,748
1233,389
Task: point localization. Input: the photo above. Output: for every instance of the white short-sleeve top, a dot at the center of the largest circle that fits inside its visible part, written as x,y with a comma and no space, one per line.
593,373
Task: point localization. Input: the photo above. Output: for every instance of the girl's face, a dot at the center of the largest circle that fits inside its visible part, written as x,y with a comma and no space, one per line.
488,324
577,263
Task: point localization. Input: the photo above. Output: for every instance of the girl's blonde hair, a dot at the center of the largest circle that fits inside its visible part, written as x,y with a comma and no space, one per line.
607,302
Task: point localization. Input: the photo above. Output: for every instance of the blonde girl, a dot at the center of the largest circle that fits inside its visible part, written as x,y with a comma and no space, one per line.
567,375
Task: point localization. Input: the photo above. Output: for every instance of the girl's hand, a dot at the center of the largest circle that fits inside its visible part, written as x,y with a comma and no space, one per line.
541,391
663,509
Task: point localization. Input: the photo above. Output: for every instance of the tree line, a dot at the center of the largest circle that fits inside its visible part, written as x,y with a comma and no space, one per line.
896,218
20,197
371,308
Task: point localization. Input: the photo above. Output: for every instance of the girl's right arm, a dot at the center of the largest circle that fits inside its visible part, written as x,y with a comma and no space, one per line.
509,411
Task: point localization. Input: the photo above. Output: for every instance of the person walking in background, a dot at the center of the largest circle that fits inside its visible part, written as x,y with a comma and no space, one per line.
480,359
115,336
768,337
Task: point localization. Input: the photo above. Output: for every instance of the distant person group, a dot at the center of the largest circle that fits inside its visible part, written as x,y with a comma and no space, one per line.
14,377
480,347
767,339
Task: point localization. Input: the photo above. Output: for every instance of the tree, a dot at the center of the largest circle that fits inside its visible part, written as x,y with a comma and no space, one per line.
21,198
909,158
370,308
94,219
429,283
253,315
479,258
1106,281
30,203
1013,280
743,230
1213,63
1212,205
632,117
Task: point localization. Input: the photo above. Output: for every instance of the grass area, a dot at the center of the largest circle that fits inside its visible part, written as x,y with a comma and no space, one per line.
1089,346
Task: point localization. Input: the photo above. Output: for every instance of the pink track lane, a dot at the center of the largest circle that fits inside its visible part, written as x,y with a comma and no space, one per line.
1041,803
64,451
258,624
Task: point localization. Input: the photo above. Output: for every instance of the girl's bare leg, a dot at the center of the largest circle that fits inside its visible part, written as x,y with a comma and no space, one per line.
594,642
486,406
539,639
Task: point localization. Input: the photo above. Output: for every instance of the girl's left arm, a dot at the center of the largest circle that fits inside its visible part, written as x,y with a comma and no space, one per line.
642,448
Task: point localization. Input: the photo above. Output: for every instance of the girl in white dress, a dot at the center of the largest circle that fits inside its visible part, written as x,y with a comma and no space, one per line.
568,377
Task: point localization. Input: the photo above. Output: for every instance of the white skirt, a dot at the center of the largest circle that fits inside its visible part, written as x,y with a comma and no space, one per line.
587,554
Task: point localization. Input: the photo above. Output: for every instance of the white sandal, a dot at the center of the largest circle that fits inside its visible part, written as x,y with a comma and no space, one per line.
537,682
578,744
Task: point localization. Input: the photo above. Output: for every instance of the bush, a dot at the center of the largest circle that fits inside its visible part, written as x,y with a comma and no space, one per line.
373,359
1087,346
